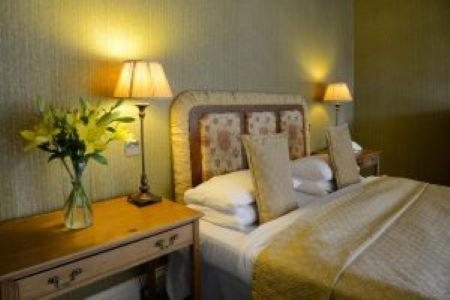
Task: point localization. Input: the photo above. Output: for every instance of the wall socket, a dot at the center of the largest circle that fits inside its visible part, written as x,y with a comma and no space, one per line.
132,148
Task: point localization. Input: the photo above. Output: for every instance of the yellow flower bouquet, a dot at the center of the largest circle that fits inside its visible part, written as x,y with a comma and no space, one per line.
75,137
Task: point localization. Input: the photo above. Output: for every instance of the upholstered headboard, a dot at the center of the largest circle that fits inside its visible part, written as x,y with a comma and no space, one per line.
195,114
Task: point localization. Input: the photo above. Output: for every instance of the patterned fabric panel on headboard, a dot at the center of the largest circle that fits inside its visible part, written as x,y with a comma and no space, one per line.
221,149
261,123
292,123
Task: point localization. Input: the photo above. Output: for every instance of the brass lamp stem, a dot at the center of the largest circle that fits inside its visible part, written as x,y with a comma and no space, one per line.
338,109
144,181
144,197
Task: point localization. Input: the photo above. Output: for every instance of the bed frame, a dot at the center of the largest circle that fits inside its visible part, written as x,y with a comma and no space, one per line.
188,109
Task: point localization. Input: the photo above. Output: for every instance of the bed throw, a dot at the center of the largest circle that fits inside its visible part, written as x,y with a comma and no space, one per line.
389,239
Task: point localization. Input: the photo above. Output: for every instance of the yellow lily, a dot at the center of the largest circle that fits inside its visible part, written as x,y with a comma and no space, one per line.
43,132
94,137
122,133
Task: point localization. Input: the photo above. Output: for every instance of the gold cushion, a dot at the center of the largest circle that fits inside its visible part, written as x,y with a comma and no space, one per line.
342,158
268,158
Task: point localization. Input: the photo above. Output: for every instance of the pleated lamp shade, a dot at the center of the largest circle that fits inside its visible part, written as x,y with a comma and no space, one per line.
338,92
140,79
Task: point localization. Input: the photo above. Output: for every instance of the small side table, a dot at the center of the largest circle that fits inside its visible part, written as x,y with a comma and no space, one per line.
369,159
42,259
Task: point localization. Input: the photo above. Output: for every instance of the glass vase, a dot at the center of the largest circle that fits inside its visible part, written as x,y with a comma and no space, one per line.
78,208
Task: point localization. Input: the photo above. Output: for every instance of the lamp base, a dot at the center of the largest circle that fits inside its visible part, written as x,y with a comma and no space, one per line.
143,199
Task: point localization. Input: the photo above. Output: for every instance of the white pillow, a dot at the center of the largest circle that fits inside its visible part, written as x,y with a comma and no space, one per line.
314,168
242,220
225,192
318,188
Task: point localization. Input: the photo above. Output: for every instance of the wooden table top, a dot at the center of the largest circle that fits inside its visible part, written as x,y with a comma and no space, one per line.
32,241
363,152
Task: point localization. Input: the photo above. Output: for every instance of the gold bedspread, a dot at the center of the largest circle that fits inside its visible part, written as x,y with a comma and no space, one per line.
390,239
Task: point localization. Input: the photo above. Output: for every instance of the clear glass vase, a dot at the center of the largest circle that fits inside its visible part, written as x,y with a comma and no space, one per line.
78,208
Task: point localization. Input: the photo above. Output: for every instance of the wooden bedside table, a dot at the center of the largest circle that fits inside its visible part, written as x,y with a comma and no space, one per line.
369,159
40,258
366,159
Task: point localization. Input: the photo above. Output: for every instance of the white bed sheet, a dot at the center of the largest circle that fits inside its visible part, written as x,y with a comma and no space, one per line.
235,252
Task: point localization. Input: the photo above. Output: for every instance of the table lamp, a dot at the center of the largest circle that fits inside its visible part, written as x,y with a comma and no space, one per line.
337,93
140,80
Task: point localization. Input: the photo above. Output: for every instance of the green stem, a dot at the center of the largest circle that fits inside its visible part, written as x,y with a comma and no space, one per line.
72,177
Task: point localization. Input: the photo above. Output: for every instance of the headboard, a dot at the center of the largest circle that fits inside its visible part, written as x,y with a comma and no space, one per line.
189,109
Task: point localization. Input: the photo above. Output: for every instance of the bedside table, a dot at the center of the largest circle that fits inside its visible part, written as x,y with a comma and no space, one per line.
366,159
43,259
369,159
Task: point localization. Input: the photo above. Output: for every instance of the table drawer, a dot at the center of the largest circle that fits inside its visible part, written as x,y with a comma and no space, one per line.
83,271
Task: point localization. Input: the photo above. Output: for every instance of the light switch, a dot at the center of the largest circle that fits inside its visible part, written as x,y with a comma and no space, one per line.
132,148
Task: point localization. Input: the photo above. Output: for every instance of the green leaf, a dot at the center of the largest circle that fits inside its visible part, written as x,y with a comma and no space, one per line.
117,104
125,119
40,105
99,158
53,156
83,103
108,118
53,110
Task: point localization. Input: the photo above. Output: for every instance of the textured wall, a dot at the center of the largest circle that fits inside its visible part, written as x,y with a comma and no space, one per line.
402,85
66,49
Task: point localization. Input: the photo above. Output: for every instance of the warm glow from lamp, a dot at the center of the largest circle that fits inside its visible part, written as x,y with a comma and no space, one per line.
140,79
338,92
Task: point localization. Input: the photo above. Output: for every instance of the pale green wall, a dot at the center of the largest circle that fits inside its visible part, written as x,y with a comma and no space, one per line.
402,85
66,49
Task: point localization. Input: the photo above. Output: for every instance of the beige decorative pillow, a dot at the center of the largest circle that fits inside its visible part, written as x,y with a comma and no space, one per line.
268,158
342,158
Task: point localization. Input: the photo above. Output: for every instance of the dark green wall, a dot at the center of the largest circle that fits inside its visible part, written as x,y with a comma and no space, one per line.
402,85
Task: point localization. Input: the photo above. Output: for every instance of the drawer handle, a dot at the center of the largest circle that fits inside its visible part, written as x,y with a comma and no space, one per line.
161,244
58,283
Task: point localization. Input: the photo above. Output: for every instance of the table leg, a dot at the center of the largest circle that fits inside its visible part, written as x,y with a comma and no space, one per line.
196,265
150,287
8,290
377,168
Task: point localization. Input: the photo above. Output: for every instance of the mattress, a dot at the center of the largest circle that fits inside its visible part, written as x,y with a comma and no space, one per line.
234,252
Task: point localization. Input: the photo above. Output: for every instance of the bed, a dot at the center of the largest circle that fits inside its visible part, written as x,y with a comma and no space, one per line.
384,238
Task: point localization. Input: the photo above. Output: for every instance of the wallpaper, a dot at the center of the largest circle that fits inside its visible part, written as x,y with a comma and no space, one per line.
402,79
62,50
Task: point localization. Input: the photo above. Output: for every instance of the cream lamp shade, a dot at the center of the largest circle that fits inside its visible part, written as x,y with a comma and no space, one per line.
140,79
338,92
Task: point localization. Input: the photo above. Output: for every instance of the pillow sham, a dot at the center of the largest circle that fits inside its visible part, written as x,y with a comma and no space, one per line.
317,188
242,219
224,192
314,167
268,157
342,158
